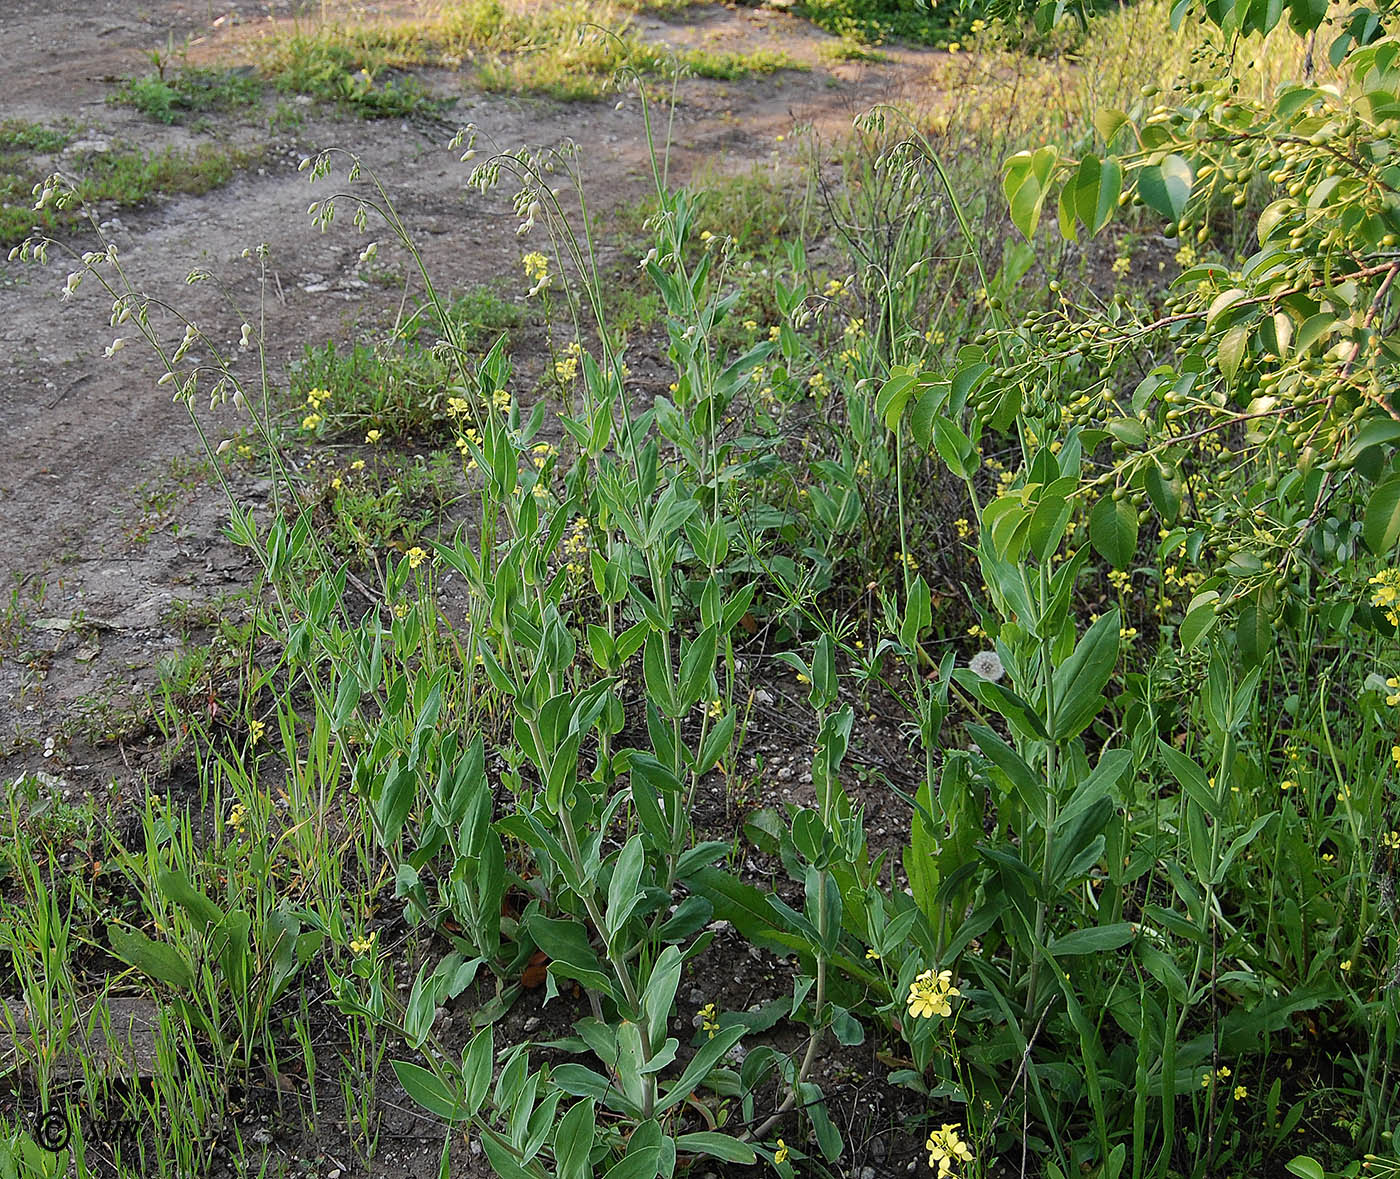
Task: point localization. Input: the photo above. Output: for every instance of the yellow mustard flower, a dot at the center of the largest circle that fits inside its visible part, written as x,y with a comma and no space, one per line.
946,1150
1386,595
709,1020
929,994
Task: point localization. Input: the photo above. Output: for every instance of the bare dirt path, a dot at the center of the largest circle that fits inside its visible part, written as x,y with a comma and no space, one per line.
89,439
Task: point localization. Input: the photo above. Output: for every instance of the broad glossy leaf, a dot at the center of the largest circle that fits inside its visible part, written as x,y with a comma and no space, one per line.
1166,187
1200,618
1113,530
476,1070
716,1145
574,1140
566,943
1231,349
428,1090
1080,679
1095,940
178,887
1164,492
1381,524
1027,784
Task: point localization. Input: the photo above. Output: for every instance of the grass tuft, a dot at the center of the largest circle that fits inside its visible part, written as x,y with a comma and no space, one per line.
571,51
191,92
124,176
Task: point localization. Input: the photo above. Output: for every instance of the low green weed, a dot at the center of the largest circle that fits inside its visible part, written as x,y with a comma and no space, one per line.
19,141
123,175
480,316
17,136
874,21
850,48
727,65
39,925
129,176
26,598
193,91
51,822
366,387
398,387
364,508
759,209
223,612
351,76
586,65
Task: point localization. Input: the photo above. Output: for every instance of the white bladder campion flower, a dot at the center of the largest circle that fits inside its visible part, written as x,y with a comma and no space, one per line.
115,346
987,665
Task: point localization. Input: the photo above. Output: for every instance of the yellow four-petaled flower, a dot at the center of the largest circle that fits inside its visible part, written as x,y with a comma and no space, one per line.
929,994
946,1150
709,1020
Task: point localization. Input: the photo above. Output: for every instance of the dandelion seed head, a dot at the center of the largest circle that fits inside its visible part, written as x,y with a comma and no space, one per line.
987,665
